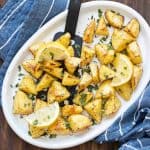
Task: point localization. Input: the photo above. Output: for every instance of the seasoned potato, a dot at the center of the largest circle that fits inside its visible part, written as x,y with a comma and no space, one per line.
94,109
57,92
120,39
87,55
104,55
28,85
85,81
102,27
79,122
60,127
105,73
89,32
71,63
125,90
50,64
69,79
22,104
32,67
70,51
111,106
44,83
114,19
105,90
134,53
68,110
83,98
136,76
65,39
94,72
39,104
133,27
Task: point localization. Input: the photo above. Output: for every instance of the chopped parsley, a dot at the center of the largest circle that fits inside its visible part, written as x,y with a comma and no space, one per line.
125,67
17,85
51,54
48,117
103,39
100,12
20,74
35,122
52,136
83,99
86,69
67,125
92,87
92,17
19,68
109,46
29,133
11,85
31,96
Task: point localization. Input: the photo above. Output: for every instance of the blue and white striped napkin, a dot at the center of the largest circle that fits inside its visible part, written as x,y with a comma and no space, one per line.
19,19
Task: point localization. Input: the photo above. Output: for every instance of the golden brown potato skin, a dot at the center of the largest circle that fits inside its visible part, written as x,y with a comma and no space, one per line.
39,104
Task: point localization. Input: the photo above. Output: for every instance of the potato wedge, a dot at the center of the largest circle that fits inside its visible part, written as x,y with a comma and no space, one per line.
39,104
70,51
49,64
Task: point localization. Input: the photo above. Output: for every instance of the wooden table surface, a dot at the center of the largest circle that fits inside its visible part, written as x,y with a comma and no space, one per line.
9,140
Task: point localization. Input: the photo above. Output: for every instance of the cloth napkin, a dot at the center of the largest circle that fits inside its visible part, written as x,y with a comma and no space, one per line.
19,19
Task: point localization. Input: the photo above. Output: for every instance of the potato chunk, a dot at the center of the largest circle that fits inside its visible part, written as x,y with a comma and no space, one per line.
49,64
114,19
94,109
133,27
68,110
70,51
22,104
120,39
57,92
89,32
102,27
134,53
79,122
28,85
104,55
39,104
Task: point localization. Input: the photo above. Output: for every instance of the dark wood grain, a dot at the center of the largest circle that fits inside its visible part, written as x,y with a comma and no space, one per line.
9,140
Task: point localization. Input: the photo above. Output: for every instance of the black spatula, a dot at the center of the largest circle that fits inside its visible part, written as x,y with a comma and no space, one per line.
71,23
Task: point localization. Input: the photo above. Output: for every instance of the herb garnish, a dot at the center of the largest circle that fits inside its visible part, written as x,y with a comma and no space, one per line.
100,13
35,122
20,74
83,99
51,54
103,39
92,87
52,136
31,96
19,68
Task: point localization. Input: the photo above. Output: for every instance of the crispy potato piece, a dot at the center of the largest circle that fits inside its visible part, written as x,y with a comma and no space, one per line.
69,110
87,55
133,27
64,39
102,27
45,82
85,81
125,90
104,55
28,85
94,72
89,32
22,104
57,92
60,127
105,90
136,76
105,73
70,51
70,80
120,40
94,109
111,106
32,67
50,64
39,104
71,63
79,122
83,98
134,53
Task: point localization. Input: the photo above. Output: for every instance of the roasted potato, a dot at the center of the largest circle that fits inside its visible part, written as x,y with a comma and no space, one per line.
94,109
136,76
28,85
104,55
87,55
71,63
22,104
79,122
105,73
134,53
125,90
105,90
69,110
39,104
114,19
32,67
44,83
57,92
49,64
89,32
85,81
133,27
120,40
101,28
94,72
70,51
60,127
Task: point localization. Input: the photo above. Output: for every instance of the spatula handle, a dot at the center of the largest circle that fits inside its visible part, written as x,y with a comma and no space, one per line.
72,17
